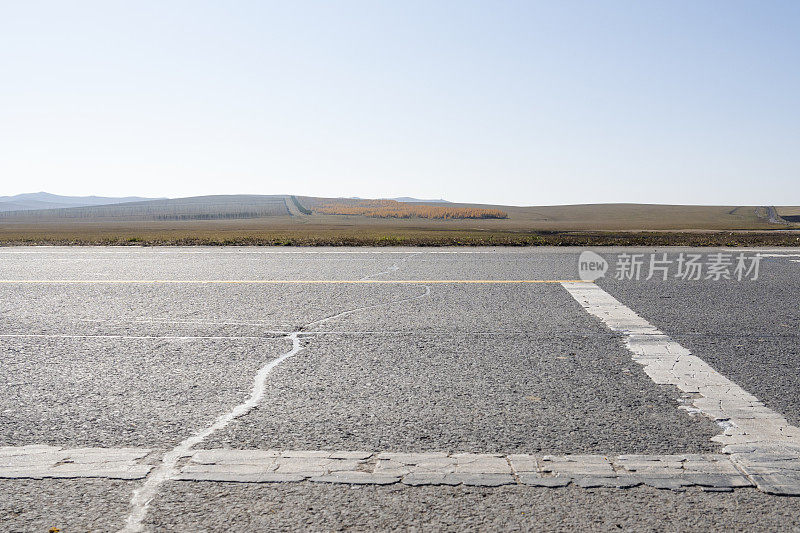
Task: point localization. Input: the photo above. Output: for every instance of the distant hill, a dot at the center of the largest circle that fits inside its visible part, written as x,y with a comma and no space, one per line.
407,199
44,200
193,208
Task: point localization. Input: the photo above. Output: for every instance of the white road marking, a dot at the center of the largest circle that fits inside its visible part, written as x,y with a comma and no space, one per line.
364,308
358,467
153,320
266,251
761,442
278,335
151,251
434,468
43,461
281,281
394,268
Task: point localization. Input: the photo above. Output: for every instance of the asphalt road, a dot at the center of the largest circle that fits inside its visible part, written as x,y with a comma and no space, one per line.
125,347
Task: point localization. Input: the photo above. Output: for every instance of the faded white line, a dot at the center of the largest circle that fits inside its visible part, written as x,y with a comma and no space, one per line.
280,281
357,309
761,442
138,250
394,268
708,471
44,461
151,251
153,320
440,468
278,335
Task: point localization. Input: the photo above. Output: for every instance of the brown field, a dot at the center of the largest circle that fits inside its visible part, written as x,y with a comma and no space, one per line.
395,209
244,220
787,210
789,214
587,217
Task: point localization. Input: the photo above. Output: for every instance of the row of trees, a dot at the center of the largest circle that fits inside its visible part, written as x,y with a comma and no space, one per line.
395,209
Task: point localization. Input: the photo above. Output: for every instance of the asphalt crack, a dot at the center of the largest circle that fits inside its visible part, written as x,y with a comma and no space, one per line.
168,469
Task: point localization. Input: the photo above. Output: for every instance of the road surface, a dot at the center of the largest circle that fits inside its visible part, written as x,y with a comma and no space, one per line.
452,389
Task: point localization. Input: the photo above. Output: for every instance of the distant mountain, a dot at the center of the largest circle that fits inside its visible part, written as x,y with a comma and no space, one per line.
418,200
192,208
44,200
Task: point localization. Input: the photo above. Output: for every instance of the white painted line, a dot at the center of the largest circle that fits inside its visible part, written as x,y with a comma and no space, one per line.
153,251
761,442
278,335
43,461
359,467
438,468
394,268
150,320
426,293
268,250
279,281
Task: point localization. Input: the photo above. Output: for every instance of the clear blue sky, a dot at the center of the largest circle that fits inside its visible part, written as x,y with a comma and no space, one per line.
521,103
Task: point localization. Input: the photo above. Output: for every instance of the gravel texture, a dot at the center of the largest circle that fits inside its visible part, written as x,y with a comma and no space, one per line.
487,393
186,506
107,392
73,506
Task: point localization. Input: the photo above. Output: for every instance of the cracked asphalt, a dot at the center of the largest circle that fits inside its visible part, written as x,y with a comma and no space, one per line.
101,392
481,393
477,368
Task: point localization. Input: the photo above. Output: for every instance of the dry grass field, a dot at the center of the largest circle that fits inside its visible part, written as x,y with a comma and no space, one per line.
284,220
789,214
590,217
395,209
